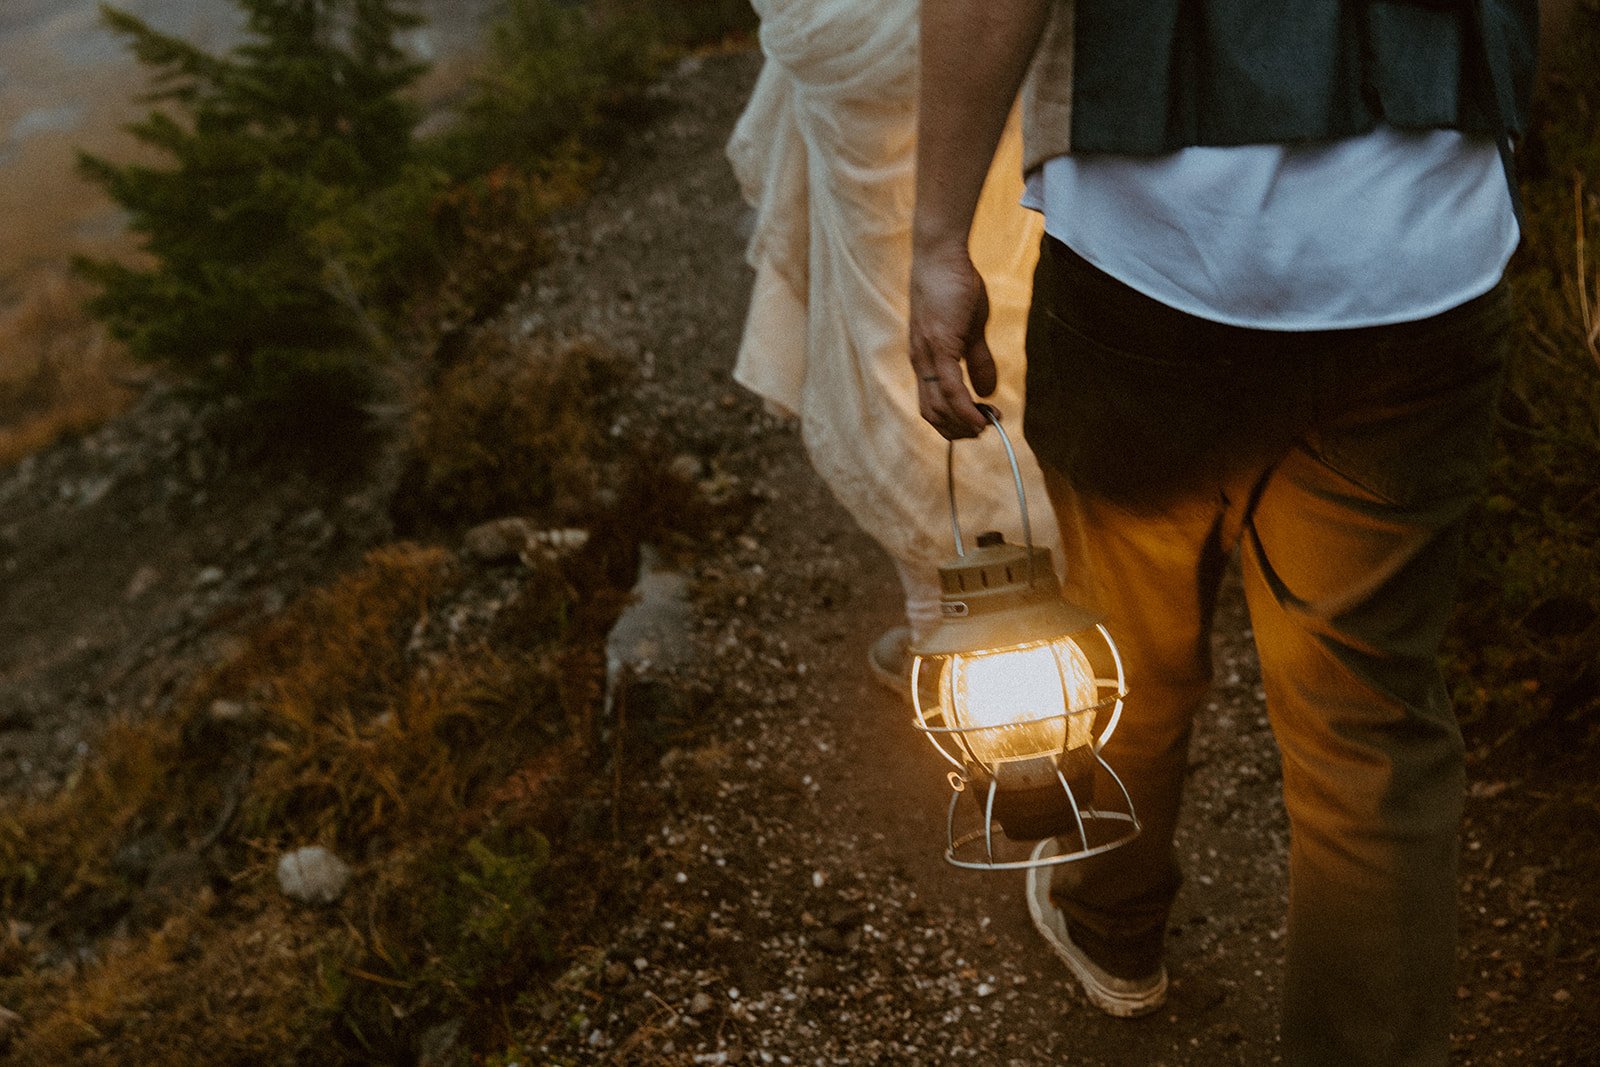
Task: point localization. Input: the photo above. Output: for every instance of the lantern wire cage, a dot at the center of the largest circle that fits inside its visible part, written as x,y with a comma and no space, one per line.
1091,829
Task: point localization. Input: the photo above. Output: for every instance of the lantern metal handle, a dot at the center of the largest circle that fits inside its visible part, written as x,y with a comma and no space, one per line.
992,414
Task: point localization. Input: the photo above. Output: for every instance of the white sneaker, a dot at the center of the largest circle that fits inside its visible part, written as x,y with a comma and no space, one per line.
1123,997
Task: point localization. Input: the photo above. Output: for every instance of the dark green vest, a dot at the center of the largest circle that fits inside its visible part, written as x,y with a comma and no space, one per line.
1152,76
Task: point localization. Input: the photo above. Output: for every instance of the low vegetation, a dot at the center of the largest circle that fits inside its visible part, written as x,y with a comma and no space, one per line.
437,723
58,372
355,721
515,428
1525,657
434,721
300,237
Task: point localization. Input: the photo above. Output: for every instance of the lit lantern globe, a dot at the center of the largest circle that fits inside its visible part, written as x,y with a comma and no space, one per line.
1011,686
1018,703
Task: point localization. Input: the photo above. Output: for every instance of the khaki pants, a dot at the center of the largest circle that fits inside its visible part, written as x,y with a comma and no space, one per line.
1342,466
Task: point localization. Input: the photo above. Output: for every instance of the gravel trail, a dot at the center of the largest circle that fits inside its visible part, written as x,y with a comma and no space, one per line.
801,912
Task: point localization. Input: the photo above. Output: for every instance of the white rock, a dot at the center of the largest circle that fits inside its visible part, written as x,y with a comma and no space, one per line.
653,629
144,579
233,710
686,468
562,541
93,490
312,875
501,540
508,539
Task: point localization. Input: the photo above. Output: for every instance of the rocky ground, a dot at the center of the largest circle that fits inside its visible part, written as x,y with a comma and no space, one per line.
794,906
132,555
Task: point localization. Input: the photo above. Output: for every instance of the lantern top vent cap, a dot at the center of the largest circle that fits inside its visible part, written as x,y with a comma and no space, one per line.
992,598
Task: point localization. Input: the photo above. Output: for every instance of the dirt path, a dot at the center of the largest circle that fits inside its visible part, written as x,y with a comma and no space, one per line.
801,912
803,889
782,893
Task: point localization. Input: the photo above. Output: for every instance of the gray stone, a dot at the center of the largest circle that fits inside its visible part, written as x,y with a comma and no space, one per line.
438,1045
653,632
686,468
233,710
498,541
312,875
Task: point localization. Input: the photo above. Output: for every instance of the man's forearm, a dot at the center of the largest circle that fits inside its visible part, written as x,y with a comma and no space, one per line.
974,57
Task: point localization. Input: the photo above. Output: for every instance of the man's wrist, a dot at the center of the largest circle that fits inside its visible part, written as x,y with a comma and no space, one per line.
939,240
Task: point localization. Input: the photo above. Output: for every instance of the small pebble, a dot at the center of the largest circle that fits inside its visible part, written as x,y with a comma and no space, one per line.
312,875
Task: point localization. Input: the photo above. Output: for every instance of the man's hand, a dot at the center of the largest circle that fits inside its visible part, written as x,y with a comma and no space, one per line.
949,310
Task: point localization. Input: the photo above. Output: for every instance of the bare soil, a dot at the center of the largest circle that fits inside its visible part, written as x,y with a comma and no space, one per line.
777,892
800,911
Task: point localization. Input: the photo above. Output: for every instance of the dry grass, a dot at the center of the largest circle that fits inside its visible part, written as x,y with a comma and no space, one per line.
353,728
58,370
514,428
1585,281
438,753
1526,652
363,718
198,992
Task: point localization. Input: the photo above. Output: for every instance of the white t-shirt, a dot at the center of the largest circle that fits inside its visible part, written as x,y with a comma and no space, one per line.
1292,237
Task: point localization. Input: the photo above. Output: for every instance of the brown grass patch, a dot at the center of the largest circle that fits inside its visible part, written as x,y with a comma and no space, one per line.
58,369
198,992
1525,655
515,427
432,756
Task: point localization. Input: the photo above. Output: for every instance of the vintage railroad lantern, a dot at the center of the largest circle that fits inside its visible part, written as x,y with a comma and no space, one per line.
1020,690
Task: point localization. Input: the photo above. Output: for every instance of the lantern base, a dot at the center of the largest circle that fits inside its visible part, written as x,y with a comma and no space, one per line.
1024,811
1039,798
973,851
1032,814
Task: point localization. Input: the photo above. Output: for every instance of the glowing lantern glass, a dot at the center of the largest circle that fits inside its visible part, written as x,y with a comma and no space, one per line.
1020,690
1015,701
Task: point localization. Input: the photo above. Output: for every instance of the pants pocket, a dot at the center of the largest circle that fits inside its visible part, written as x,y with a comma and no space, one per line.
1413,423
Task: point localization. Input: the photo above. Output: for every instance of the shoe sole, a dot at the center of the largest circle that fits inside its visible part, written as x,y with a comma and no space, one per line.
1120,1005
890,680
